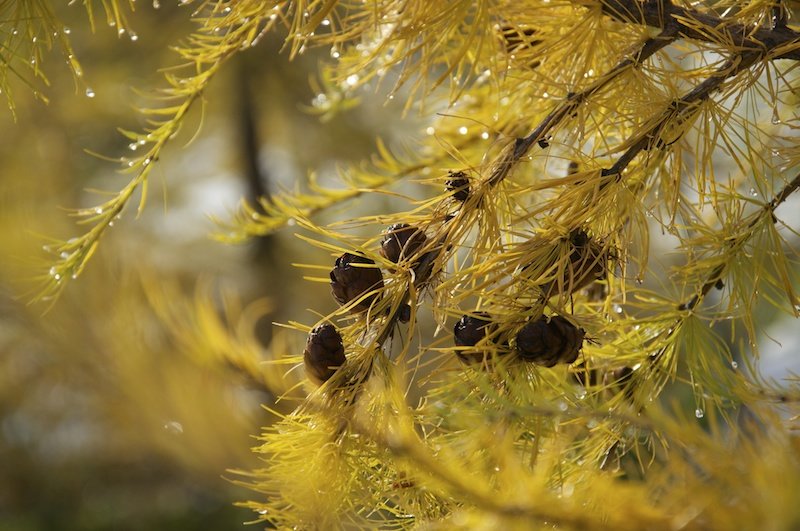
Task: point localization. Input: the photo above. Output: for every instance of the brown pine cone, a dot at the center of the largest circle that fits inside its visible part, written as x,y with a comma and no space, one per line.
401,241
572,338
468,331
537,343
324,353
550,341
587,259
349,281
588,262
458,184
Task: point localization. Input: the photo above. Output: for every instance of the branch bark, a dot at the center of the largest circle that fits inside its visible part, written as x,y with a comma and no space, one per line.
706,27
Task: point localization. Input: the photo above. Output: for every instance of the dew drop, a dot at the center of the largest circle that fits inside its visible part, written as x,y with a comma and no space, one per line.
734,365
66,30
174,427
134,37
133,146
335,53
319,101
430,131
98,210
325,22
699,413
562,405
617,309
463,130
120,32
351,80
485,135
89,92
156,4
753,192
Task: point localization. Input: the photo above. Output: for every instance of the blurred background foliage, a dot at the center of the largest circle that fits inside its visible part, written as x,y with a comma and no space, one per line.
123,405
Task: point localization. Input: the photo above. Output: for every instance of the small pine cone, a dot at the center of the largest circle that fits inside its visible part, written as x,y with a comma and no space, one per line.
572,341
468,331
349,282
537,343
588,258
425,267
401,241
572,168
404,313
550,341
587,263
324,353
458,184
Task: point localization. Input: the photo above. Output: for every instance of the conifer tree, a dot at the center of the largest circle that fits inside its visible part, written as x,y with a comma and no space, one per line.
506,352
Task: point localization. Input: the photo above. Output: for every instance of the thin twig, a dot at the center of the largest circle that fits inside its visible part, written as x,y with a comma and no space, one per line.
715,277
680,110
521,146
